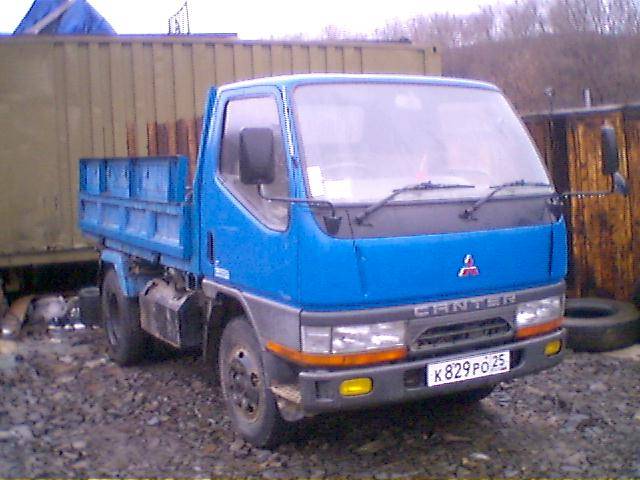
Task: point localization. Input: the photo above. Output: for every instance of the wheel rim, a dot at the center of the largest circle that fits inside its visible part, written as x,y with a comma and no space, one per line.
243,383
113,318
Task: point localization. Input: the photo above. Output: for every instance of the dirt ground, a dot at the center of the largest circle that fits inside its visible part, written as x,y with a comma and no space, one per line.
68,411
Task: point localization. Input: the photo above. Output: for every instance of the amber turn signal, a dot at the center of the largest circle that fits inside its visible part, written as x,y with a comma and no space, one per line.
539,329
337,360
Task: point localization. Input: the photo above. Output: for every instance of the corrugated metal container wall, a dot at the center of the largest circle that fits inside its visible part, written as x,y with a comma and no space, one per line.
62,98
604,231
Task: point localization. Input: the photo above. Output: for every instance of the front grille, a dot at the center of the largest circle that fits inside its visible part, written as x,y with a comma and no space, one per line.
460,336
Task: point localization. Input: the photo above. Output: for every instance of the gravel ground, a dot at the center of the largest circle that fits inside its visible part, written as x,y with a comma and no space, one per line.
68,411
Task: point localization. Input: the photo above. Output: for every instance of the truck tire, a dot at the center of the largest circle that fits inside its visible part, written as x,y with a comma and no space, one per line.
126,341
250,403
600,325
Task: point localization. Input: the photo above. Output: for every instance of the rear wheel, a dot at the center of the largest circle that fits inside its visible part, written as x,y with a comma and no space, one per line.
250,403
126,341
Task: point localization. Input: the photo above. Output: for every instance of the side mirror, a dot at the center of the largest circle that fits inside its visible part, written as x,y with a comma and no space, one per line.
620,184
610,161
257,163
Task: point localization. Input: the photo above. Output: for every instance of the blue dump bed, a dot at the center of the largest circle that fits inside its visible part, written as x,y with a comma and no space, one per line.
137,205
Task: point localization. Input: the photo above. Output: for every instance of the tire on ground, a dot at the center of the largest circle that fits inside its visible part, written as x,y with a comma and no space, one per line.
127,343
250,403
635,295
599,325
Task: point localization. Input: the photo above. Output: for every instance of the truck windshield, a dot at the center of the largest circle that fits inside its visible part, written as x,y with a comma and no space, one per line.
361,141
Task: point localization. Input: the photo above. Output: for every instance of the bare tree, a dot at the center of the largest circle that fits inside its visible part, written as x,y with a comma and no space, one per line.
524,18
624,17
529,45
479,27
444,30
567,16
332,32
393,30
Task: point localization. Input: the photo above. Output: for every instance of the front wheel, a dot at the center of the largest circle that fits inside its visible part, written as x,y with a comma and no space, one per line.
250,403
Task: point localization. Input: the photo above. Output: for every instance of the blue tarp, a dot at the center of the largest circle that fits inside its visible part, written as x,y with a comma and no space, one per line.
79,19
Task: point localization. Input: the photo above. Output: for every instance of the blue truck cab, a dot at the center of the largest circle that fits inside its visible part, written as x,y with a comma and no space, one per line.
348,241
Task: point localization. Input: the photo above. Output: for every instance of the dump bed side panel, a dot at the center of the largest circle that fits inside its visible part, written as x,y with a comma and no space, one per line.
138,205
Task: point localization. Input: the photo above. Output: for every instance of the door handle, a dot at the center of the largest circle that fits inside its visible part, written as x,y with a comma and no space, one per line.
210,247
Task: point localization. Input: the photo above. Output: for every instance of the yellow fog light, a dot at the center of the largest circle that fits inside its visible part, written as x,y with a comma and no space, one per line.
356,386
552,348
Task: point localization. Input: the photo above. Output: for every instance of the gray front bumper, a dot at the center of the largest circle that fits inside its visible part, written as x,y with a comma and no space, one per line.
320,388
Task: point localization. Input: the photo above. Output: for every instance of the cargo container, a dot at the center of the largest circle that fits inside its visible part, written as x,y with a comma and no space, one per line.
63,98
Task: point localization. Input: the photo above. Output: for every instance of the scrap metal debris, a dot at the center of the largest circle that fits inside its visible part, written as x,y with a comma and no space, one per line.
41,313
50,310
13,320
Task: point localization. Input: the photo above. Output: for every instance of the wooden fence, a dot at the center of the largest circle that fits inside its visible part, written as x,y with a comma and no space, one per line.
604,232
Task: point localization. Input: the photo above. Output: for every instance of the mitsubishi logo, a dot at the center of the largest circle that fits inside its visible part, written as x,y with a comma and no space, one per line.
469,269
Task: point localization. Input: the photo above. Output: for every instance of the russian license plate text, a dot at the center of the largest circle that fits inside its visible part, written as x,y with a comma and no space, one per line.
466,368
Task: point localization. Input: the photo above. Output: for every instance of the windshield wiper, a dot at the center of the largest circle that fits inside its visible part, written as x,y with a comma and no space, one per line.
409,188
468,213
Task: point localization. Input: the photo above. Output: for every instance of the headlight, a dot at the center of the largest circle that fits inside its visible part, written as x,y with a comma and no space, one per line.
316,339
356,338
353,338
540,311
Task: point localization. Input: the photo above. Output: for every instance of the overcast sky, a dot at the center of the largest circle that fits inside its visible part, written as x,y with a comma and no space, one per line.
253,19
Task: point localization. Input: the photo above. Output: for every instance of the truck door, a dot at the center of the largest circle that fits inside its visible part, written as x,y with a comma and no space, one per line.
246,241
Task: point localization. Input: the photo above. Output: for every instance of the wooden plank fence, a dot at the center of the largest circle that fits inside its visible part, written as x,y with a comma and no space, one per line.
604,233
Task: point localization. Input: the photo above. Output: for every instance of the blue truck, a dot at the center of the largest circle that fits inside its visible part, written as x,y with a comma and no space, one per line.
347,241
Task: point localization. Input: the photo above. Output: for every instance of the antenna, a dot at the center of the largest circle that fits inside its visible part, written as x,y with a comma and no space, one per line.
178,23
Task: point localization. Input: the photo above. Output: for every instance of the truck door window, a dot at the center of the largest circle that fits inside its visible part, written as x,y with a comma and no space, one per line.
259,112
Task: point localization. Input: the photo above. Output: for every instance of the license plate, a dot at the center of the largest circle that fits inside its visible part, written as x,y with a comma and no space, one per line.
466,368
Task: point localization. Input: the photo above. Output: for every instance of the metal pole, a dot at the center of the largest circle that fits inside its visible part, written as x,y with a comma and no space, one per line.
587,97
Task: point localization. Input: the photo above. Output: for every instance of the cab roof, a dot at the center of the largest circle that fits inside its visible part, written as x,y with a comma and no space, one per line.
291,81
